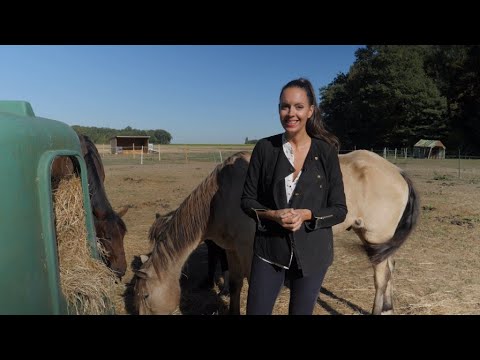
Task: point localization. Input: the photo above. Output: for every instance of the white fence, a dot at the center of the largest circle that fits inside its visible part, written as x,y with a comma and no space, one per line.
218,153
170,153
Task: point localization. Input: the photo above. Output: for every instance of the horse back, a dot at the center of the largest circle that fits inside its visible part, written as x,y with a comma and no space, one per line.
227,220
376,194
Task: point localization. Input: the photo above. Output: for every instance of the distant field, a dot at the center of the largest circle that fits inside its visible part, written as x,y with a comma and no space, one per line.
177,153
173,147
215,153
227,146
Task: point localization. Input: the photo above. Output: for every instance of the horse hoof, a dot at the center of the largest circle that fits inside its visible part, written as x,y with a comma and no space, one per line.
388,312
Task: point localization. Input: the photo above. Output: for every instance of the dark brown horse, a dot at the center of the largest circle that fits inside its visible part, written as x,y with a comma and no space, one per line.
382,210
109,227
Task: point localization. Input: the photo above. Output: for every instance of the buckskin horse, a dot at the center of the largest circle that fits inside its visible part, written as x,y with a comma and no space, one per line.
109,227
383,208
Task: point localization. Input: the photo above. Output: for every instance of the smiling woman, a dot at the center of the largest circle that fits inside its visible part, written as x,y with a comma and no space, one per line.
295,208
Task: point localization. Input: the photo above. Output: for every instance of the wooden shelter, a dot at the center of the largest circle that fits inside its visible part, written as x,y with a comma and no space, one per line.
429,149
128,144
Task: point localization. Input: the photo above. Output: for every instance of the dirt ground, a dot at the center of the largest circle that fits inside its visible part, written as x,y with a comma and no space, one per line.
437,269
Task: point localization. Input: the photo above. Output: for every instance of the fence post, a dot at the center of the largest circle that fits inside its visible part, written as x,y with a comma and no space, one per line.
385,152
141,157
133,151
395,153
459,163
220,152
186,157
159,158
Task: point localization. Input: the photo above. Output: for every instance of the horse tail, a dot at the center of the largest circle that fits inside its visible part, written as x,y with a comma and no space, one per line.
379,252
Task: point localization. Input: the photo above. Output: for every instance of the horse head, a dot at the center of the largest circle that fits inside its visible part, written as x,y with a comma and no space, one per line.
111,230
156,293
109,226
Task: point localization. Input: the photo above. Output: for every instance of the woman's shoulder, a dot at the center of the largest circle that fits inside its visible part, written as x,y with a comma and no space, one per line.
271,141
323,145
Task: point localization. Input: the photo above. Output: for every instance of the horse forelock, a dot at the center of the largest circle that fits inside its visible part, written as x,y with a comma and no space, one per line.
184,229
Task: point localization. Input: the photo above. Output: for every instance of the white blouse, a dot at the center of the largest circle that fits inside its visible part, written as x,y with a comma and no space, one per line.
290,183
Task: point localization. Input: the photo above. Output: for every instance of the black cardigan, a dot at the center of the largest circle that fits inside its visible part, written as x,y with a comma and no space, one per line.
319,188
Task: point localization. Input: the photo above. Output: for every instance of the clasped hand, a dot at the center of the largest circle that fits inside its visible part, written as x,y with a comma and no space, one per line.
290,219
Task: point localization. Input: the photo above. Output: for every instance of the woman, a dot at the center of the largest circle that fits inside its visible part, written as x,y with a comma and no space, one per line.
294,191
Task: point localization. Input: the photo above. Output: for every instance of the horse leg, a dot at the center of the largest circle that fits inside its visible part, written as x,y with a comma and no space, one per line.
225,272
209,282
235,281
388,308
226,283
382,277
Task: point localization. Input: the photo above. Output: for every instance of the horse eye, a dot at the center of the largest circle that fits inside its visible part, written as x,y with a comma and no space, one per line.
145,296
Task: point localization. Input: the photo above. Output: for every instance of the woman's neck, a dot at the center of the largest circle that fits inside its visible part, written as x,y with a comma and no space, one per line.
299,140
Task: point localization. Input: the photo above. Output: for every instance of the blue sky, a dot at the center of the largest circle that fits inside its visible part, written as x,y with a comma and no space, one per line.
199,94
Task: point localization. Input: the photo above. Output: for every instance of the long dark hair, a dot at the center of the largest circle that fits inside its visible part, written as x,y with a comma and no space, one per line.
315,126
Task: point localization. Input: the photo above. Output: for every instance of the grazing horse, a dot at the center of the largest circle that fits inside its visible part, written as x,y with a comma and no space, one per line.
109,227
383,209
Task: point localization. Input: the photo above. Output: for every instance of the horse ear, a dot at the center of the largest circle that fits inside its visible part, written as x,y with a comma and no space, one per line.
123,210
141,274
143,258
100,213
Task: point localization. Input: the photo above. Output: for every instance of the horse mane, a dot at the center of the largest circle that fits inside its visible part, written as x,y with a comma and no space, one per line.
94,158
183,228
101,207
160,222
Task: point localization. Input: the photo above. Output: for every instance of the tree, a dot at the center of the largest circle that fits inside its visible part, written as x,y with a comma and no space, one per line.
163,137
456,70
385,98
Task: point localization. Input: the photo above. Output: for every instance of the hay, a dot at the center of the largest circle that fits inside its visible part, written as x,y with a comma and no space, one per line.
87,283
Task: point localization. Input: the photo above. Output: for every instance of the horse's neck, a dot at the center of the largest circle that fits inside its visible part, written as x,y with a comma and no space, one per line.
172,267
183,257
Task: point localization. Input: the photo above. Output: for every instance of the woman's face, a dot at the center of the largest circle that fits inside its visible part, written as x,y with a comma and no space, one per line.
295,110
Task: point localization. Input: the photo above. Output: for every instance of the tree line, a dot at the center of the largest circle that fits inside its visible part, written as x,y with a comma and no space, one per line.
395,95
103,135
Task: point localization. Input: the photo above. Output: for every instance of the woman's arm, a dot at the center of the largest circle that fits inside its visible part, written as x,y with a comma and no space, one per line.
249,200
336,210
